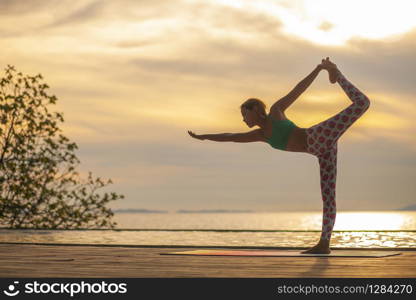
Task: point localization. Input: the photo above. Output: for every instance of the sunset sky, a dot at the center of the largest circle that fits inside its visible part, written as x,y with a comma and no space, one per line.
132,77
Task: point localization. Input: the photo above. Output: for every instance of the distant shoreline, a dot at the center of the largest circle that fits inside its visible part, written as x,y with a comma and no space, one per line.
210,211
409,207
140,211
182,211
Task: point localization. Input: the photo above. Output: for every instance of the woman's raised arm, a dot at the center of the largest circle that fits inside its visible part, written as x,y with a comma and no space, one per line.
283,103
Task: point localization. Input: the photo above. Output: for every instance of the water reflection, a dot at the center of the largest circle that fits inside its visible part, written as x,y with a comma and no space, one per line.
391,220
282,229
212,238
373,220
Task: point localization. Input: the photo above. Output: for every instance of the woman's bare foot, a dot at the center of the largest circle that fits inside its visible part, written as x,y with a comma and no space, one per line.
321,248
333,74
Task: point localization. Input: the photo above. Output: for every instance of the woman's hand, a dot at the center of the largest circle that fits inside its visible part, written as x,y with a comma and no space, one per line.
327,64
331,68
196,136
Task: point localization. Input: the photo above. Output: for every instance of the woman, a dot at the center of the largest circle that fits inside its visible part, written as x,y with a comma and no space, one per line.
319,140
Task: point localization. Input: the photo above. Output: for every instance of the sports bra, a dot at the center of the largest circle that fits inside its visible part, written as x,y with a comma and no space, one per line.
281,130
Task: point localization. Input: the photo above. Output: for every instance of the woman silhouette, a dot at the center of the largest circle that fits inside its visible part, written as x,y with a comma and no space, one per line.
319,140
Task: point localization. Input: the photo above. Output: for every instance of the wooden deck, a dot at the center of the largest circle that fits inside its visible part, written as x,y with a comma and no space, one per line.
33,260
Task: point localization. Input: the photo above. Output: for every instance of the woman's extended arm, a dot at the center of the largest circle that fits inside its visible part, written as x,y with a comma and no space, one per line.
283,103
243,137
218,137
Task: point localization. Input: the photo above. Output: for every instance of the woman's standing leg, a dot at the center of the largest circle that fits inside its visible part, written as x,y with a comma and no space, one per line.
328,174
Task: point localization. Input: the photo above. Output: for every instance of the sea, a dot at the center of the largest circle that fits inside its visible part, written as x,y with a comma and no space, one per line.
353,229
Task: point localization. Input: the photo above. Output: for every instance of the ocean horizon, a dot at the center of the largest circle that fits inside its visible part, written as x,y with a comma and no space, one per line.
355,229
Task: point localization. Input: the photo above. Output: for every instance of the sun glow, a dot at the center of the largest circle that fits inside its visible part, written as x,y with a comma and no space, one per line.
329,22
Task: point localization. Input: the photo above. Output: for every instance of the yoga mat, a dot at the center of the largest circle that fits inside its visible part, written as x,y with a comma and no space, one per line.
335,253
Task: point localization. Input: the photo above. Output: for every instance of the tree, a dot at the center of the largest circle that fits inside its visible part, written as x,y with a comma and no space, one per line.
39,187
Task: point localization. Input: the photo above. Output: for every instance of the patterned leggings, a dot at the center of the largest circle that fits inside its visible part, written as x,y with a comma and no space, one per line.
322,141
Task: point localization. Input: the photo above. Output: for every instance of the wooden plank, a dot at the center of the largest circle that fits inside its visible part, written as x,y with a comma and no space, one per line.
29,260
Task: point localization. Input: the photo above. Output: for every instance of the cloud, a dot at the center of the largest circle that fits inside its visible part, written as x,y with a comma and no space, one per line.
18,7
89,12
386,64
